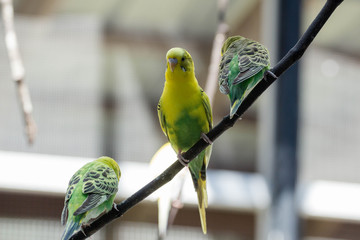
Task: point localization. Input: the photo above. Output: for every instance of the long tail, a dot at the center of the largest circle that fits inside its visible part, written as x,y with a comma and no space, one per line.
70,228
234,107
198,174
202,202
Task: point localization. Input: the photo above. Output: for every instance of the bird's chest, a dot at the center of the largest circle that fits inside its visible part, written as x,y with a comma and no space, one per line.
185,119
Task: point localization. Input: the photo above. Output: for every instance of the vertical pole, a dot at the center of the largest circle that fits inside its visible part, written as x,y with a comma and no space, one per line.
108,103
278,146
285,217
108,114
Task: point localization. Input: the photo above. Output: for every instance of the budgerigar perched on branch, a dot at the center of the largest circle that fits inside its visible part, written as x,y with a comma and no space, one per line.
242,66
185,116
90,193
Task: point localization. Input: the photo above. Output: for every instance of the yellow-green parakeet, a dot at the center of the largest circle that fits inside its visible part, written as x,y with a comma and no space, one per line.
90,193
185,116
242,66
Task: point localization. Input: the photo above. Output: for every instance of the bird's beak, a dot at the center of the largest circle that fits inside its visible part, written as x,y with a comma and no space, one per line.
172,63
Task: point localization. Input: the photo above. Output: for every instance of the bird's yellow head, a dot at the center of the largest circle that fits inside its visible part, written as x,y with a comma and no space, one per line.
111,163
228,42
179,60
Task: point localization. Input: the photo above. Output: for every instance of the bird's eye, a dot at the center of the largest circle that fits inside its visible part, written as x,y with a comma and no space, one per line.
182,59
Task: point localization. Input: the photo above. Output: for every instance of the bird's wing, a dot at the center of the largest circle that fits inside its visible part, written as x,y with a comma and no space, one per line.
207,107
224,72
99,184
162,120
71,186
252,58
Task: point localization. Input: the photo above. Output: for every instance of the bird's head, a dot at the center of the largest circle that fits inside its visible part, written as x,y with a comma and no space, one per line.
111,163
228,42
179,60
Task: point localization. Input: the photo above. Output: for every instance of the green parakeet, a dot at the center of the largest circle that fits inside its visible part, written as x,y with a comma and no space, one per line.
242,66
90,193
185,116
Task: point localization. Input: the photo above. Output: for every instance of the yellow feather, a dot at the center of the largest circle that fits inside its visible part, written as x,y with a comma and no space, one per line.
182,91
203,203
184,112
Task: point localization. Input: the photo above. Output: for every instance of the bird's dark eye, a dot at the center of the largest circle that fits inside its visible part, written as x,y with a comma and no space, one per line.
182,59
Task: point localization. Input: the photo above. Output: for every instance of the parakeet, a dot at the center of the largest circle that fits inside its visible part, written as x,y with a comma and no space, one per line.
90,193
185,116
169,196
242,66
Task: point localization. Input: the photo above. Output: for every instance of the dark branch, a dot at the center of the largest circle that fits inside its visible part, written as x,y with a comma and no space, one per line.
290,58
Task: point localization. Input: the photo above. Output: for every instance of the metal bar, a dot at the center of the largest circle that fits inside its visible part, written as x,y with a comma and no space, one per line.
284,217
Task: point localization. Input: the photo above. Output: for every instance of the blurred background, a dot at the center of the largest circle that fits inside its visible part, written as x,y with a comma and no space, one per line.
95,69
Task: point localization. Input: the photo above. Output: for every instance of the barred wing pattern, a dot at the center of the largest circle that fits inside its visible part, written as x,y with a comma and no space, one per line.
250,57
99,184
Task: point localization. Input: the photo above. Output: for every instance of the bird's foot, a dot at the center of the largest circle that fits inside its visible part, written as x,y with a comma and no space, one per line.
269,73
206,138
82,229
182,160
115,206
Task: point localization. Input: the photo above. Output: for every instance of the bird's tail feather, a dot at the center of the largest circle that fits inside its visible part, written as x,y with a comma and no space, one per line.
70,229
234,107
203,202
164,206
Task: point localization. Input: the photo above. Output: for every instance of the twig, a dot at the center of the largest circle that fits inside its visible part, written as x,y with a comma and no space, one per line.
290,58
220,35
17,68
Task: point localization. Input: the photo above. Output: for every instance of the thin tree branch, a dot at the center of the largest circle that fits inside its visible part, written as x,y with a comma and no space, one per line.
17,68
290,58
220,36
